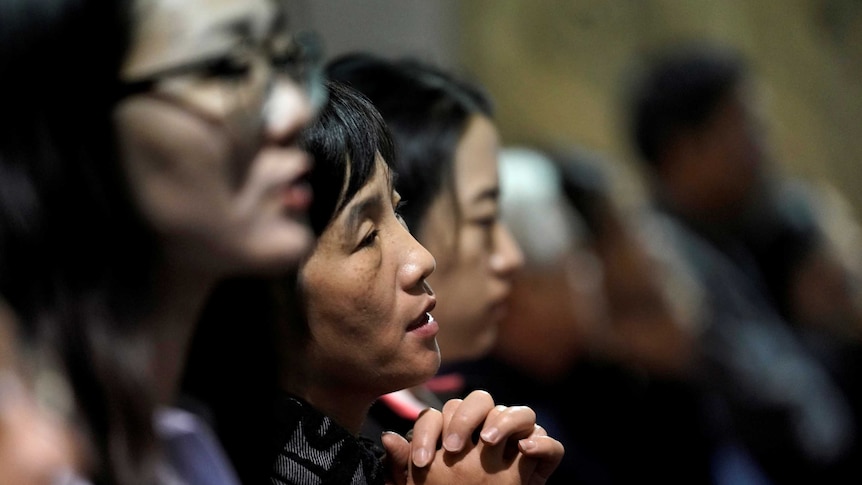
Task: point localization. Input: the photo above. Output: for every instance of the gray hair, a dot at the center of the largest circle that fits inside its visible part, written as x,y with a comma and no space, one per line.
535,208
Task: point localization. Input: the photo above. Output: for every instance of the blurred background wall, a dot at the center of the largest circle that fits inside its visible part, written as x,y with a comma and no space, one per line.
555,67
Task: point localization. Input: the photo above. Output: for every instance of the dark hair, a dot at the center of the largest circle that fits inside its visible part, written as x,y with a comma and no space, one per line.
680,87
427,110
73,251
585,183
344,141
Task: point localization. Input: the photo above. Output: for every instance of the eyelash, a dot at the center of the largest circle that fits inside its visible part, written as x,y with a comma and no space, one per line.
486,221
369,239
239,63
234,66
398,208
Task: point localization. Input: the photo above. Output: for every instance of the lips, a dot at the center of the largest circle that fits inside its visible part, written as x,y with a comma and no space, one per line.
425,318
297,197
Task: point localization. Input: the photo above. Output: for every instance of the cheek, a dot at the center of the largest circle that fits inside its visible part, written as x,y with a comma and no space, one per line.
174,163
347,296
471,254
151,129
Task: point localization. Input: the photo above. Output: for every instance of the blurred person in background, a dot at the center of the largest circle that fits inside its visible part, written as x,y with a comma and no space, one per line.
600,313
446,146
695,124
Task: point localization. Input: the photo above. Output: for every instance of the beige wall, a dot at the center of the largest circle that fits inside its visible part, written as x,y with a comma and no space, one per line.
554,68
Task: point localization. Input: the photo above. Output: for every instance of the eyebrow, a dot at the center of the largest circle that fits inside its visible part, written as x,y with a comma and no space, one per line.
357,211
370,202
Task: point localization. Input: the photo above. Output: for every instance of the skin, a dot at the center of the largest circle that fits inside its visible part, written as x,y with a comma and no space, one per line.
491,460
36,446
714,171
477,257
223,197
566,308
364,341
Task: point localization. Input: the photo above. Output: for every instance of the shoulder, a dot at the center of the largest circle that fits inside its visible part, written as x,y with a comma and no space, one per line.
312,445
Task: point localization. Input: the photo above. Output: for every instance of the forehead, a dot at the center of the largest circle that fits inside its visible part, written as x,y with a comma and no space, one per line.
173,31
379,180
476,160
377,192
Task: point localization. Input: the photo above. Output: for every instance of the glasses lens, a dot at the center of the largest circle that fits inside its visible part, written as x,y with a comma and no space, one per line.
302,61
298,58
244,95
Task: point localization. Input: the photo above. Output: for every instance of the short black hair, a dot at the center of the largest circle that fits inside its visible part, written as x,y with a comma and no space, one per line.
428,111
680,87
344,142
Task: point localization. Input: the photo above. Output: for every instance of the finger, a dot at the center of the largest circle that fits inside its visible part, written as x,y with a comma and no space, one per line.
508,422
397,457
500,455
458,426
450,407
547,451
426,433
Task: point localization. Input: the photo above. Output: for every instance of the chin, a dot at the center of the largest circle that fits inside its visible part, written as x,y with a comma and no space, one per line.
429,369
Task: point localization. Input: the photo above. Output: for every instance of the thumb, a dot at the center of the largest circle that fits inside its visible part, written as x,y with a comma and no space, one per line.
397,457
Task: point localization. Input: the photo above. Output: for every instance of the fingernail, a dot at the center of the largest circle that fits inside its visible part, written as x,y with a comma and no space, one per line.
527,445
421,457
452,443
490,435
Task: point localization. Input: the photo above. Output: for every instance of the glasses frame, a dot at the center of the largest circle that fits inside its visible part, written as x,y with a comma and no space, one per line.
303,65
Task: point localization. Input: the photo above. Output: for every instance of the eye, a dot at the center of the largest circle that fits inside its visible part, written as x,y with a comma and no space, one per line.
369,239
486,222
235,65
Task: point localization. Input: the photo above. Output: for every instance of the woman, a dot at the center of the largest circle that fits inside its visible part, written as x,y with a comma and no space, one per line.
366,326
146,151
447,146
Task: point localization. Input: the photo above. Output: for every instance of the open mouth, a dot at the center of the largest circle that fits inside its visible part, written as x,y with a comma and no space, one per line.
424,320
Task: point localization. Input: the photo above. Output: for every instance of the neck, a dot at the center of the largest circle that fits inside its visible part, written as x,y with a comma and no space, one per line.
345,404
347,409
181,296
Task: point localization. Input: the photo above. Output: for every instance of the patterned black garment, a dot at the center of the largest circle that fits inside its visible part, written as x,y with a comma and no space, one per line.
315,450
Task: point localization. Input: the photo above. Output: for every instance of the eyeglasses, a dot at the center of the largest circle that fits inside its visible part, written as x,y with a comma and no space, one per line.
236,85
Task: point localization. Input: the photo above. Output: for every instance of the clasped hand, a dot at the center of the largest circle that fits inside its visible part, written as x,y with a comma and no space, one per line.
510,449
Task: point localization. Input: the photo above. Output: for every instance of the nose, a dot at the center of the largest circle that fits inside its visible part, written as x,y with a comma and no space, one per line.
417,265
507,257
287,110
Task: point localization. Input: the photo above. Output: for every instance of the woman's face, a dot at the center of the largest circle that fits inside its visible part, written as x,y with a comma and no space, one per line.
367,300
476,254
208,142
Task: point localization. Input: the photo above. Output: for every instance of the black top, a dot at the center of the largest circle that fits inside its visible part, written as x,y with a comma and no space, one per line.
314,449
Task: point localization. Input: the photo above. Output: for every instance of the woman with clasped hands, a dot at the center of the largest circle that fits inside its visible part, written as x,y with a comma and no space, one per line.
365,328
